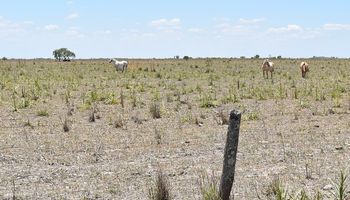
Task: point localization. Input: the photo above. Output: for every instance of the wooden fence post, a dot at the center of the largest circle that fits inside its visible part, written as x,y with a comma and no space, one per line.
228,170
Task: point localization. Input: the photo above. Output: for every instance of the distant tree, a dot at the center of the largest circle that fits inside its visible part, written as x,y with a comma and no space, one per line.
279,57
257,56
186,57
242,57
63,54
3,58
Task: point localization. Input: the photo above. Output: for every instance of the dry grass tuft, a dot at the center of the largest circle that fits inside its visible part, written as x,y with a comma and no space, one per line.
208,187
161,189
155,110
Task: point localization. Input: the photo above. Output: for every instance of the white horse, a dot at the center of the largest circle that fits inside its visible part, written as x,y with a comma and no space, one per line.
119,65
267,67
304,68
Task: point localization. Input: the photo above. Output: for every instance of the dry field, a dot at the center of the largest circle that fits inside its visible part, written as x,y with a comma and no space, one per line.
81,130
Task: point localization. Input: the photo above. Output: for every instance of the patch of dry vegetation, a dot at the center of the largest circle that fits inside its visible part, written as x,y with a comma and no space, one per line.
95,133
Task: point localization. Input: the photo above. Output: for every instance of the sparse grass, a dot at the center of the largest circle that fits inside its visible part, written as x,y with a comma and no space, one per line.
111,99
155,110
119,122
42,113
251,116
304,103
92,117
158,136
160,190
208,187
224,117
207,101
341,190
277,191
28,123
66,125
122,98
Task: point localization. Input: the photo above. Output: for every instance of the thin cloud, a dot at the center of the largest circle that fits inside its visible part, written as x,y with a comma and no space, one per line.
169,28
251,21
196,30
242,27
104,32
336,27
75,33
72,16
163,23
288,28
10,29
294,31
229,28
51,27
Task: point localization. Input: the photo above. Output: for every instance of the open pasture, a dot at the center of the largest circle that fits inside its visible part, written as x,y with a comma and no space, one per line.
82,130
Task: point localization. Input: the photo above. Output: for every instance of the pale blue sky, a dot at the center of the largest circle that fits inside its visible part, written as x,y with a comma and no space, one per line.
155,28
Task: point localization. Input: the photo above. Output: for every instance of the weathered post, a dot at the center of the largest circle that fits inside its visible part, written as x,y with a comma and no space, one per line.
228,170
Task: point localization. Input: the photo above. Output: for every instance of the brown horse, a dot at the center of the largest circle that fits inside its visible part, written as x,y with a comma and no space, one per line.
267,67
304,67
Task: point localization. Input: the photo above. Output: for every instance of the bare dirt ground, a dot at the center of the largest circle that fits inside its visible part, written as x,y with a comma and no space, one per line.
294,129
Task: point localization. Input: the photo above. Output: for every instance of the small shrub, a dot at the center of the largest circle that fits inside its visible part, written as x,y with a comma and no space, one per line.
28,123
337,102
208,188
252,116
66,127
67,96
155,110
224,118
276,189
157,136
304,104
92,116
133,99
70,110
161,189
15,108
42,113
207,101
158,75
111,99
342,191
122,98
119,123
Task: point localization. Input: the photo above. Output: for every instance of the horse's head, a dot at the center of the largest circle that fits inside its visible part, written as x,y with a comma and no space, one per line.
266,63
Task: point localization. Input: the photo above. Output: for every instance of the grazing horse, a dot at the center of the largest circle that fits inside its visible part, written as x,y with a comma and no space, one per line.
267,67
304,67
119,65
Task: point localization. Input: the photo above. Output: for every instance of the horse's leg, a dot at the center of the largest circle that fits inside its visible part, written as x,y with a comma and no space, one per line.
302,72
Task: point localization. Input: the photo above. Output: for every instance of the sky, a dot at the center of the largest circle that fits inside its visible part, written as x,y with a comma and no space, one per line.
163,29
